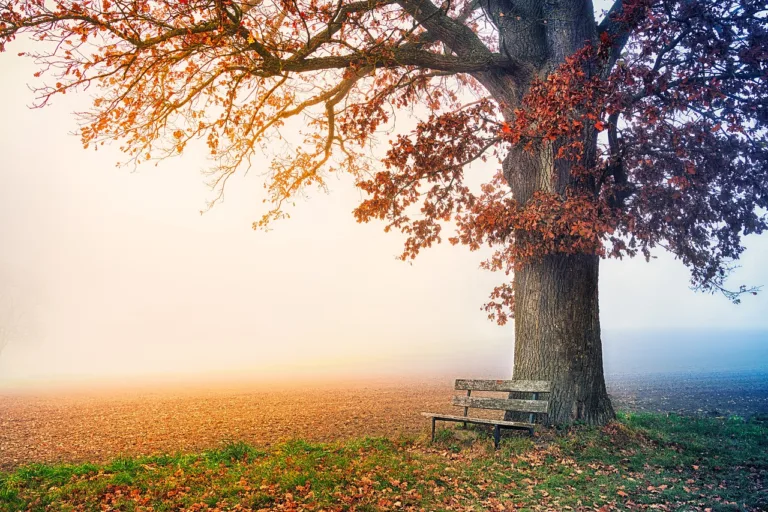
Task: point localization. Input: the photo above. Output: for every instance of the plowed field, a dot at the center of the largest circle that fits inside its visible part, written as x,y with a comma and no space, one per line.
100,426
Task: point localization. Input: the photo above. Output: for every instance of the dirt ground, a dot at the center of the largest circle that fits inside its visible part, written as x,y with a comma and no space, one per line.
97,426
101,423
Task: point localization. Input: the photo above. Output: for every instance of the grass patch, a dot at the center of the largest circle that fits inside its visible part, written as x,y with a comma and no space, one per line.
640,461
232,453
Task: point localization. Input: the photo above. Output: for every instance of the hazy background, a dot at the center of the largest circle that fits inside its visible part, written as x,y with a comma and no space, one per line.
116,274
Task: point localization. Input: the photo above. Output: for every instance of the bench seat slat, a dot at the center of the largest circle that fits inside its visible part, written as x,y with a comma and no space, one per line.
482,421
504,404
531,386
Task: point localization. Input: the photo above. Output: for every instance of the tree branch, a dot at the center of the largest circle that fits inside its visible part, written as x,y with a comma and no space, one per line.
618,24
400,57
457,36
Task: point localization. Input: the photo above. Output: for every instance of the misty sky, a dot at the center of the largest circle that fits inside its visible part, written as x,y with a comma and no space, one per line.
114,273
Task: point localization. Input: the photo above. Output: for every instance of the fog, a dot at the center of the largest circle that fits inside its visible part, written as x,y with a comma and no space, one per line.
113,274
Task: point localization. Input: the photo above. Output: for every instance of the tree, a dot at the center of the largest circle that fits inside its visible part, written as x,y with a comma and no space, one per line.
647,129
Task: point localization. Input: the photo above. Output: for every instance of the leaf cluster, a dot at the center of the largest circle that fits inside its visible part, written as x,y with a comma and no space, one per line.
656,132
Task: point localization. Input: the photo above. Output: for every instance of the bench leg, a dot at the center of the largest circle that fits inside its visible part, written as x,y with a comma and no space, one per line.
531,416
496,437
433,430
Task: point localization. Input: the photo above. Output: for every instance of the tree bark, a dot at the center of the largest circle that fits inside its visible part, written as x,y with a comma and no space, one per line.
557,317
557,324
557,336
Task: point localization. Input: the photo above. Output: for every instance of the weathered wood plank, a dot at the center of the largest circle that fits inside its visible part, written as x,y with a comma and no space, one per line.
531,386
504,404
481,421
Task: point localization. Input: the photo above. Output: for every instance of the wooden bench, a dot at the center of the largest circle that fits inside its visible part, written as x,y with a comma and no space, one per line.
532,407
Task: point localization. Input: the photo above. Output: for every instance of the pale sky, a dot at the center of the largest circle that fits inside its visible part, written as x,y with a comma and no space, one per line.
117,274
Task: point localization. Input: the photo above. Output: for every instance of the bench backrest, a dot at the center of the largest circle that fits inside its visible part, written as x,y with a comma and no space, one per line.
504,404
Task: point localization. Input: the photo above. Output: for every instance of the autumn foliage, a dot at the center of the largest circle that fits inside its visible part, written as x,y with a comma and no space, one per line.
659,123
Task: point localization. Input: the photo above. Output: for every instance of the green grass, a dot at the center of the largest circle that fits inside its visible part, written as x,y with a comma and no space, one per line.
641,461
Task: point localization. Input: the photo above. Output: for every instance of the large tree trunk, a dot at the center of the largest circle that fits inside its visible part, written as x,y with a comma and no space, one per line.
557,325
557,318
557,335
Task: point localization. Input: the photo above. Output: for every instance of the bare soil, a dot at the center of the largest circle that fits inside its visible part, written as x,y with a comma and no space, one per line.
713,394
96,427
